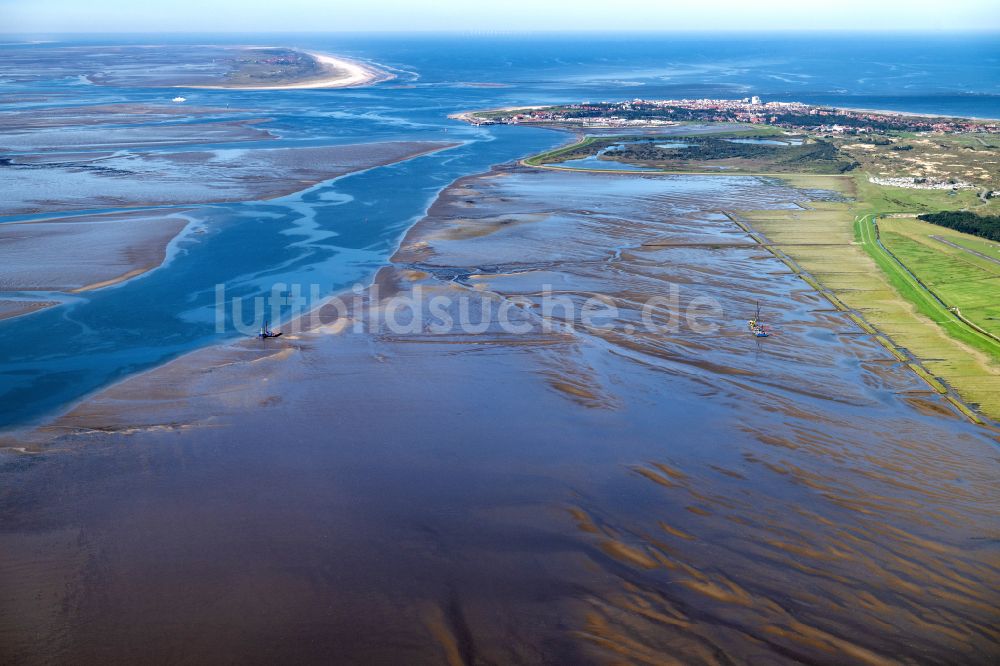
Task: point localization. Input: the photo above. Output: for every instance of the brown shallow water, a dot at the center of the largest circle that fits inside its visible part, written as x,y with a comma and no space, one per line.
564,495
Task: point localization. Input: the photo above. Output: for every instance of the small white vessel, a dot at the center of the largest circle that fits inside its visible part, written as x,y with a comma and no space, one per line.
179,99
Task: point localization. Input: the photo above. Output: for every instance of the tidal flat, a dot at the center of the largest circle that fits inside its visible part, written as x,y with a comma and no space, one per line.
193,66
568,494
83,252
106,115
181,177
94,138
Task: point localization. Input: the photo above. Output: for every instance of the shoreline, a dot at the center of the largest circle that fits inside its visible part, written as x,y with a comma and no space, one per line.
27,438
470,115
827,413
13,308
911,114
106,249
9,435
306,326
393,261
347,74
263,174
138,256
517,412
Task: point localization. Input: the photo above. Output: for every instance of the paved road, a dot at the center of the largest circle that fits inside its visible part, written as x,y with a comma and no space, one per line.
965,249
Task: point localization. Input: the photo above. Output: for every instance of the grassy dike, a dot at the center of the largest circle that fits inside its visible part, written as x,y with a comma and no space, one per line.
834,247
555,155
911,277
960,270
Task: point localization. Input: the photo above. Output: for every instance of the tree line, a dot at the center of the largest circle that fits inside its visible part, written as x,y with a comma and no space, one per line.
984,226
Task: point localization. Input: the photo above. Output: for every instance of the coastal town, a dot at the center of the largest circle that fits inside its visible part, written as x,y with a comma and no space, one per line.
791,115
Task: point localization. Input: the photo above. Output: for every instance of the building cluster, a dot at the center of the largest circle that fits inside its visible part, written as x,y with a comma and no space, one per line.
914,183
560,116
642,112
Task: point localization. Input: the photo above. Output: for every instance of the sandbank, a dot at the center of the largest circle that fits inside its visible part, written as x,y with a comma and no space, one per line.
340,73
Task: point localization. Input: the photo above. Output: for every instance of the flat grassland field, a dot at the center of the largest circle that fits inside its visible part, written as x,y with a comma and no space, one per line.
967,276
757,150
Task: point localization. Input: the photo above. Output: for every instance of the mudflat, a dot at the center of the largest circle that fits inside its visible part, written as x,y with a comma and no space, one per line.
566,493
181,177
82,252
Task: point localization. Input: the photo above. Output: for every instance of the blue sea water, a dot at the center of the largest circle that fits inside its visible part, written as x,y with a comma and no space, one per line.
340,232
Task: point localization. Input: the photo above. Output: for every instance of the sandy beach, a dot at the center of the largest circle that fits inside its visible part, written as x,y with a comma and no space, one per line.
912,114
341,73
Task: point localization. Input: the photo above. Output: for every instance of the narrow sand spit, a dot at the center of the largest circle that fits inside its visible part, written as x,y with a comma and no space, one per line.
342,73
10,308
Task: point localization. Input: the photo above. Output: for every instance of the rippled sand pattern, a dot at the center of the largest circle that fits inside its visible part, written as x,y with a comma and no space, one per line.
569,495
66,182
838,532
